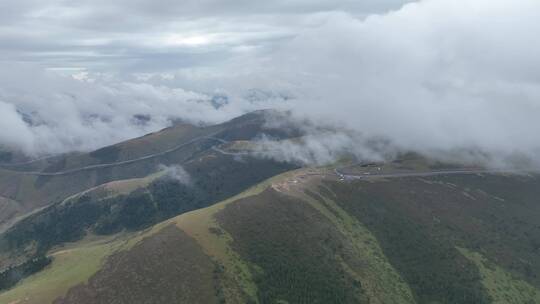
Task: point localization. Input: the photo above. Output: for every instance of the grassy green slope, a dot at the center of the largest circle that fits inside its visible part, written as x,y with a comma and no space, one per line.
77,262
314,239
299,255
71,265
420,221
136,203
502,286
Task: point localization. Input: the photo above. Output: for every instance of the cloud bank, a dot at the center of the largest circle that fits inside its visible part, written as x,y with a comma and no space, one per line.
441,77
44,113
433,76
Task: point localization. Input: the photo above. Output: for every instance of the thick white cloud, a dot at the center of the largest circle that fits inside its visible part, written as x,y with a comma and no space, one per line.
43,112
437,74
434,76
15,132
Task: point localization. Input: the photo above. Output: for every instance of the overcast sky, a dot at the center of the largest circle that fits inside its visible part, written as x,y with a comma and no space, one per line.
158,36
430,75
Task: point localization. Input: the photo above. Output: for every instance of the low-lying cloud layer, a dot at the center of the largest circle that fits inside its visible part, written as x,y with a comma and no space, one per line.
435,75
42,113
443,77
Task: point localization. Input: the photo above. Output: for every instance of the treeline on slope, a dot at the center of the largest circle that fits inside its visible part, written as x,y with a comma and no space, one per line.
508,209
293,251
212,181
432,267
419,223
69,222
12,275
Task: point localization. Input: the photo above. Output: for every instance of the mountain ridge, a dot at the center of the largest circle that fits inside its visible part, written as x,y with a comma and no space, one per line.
245,229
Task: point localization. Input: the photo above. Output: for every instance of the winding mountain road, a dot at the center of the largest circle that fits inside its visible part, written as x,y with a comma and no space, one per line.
121,163
337,171
368,175
219,150
27,162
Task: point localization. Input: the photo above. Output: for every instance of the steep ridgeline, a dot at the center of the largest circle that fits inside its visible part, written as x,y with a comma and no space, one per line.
29,186
211,180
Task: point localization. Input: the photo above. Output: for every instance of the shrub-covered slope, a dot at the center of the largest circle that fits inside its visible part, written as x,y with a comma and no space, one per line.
212,177
301,238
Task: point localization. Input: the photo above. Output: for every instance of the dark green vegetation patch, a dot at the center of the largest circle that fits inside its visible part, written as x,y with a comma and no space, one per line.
420,221
12,275
168,267
292,249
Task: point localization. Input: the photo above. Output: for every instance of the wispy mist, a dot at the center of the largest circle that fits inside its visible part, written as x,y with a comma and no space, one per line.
177,173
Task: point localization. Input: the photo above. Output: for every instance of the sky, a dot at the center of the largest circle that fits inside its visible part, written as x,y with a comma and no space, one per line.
137,36
452,77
